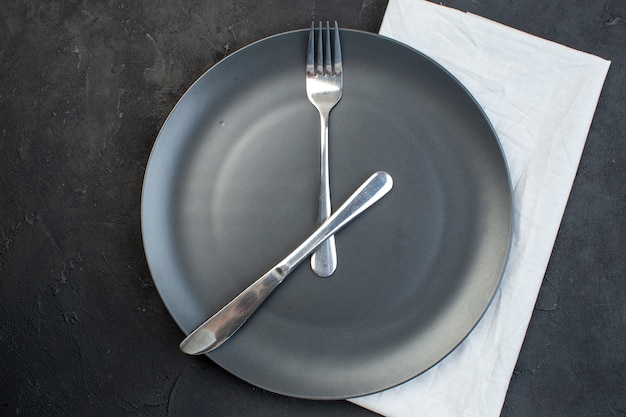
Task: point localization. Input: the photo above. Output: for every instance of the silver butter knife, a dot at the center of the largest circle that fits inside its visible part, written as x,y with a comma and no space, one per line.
223,324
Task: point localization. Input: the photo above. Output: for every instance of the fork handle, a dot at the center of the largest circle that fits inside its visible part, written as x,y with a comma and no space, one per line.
324,259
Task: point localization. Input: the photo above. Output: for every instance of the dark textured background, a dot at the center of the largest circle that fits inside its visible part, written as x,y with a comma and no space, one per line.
84,89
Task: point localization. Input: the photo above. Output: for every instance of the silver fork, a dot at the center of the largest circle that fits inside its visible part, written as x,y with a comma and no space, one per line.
324,85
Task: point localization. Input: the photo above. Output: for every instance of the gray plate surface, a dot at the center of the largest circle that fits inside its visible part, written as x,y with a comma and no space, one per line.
231,188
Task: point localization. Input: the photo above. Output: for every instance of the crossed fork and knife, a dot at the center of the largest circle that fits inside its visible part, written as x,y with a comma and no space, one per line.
324,85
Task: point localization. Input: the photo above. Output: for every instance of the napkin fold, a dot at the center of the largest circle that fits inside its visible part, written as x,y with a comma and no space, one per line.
540,97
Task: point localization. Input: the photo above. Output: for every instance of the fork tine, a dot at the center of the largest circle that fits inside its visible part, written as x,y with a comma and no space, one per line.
337,52
319,67
328,68
310,56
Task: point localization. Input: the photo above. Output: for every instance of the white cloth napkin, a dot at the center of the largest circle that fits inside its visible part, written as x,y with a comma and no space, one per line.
540,97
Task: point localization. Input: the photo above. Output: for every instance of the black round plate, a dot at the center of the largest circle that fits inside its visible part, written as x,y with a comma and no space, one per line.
231,188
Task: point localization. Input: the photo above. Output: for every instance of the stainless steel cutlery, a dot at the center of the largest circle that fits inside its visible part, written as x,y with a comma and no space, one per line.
324,86
223,324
